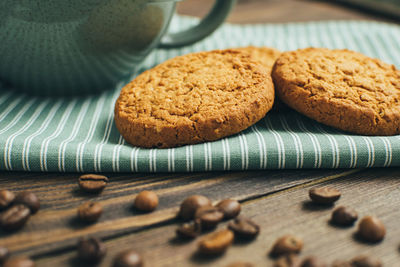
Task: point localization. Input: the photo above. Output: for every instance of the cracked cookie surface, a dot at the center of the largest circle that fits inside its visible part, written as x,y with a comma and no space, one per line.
194,98
265,55
341,88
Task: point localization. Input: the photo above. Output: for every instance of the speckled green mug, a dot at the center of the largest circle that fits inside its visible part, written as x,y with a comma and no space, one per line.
65,47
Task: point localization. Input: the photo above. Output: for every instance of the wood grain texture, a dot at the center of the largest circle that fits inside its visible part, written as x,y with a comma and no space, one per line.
285,211
60,198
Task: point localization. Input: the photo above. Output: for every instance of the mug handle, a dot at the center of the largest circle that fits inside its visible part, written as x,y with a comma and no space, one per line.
209,24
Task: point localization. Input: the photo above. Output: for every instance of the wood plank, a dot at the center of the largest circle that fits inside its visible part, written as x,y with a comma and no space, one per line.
57,218
277,11
370,192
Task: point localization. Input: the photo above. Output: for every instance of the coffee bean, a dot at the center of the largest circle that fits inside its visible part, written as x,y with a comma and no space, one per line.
240,264
15,217
4,254
93,183
6,198
230,208
128,258
324,195
189,230
29,199
371,229
364,261
289,260
146,201
191,204
216,242
244,228
208,216
312,262
91,249
19,262
90,211
287,244
344,216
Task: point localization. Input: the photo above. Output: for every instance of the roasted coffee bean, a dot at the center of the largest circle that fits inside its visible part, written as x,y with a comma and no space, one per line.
287,244
4,254
208,216
216,242
189,230
93,183
91,250
244,228
6,198
146,201
29,199
324,195
371,229
15,217
312,262
90,211
230,208
191,204
344,216
128,258
364,261
289,260
19,262
240,264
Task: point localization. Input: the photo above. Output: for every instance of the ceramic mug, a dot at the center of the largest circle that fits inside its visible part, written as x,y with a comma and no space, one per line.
64,47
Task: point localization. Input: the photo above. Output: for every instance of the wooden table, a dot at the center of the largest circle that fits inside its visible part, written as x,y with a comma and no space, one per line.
277,200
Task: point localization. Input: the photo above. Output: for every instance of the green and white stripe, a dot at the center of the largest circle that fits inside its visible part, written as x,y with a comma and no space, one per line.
79,135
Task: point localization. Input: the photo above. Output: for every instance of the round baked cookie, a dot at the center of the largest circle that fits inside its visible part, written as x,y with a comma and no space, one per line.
341,88
265,55
194,98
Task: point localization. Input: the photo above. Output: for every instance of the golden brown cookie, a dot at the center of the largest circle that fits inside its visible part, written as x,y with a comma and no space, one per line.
265,55
341,88
194,98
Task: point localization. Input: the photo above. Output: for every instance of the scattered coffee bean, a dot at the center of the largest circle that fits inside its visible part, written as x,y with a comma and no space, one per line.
371,229
289,260
244,228
208,216
341,263
344,216
19,262
240,264
230,208
6,198
91,250
189,230
191,204
29,199
128,258
15,217
90,211
364,261
4,254
93,183
287,244
324,195
216,242
312,262
146,201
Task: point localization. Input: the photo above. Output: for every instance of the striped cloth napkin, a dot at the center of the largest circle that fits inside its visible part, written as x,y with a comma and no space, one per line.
78,134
